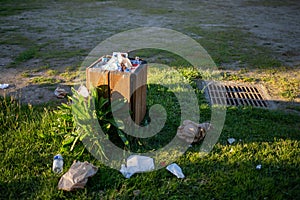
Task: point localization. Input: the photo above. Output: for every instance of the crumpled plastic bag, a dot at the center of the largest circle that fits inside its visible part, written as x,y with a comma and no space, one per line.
176,170
77,176
230,140
192,132
135,164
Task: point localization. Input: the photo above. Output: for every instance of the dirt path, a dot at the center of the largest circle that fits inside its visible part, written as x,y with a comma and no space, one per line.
61,33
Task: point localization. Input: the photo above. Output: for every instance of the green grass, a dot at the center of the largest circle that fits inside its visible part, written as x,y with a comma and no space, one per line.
160,56
32,135
26,55
224,46
44,80
284,81
11,7
25,74
62,53
52,72
15,39
232,45
69,76
270,3
41,68
42,51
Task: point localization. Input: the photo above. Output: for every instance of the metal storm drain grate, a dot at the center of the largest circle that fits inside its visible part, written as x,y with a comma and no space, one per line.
236,95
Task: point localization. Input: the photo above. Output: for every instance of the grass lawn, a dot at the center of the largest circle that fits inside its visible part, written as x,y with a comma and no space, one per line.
32,135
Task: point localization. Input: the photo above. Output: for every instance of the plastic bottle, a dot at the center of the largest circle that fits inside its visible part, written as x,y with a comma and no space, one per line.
58,164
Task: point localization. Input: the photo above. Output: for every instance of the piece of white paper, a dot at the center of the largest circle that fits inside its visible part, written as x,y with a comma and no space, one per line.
136,164
83,91
4,86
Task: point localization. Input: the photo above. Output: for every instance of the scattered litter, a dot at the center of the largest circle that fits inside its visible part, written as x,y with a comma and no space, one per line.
136,193
58,164
135,164
83,91
231,140
77,176
258,166
176,170
60,93
193,132
4,86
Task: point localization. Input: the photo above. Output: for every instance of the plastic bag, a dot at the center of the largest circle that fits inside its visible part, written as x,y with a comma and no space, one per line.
176,170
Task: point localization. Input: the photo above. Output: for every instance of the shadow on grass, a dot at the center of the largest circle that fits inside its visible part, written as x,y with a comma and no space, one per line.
262,136
22,188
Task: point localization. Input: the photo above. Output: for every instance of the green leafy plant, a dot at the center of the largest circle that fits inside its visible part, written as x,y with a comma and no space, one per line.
84,116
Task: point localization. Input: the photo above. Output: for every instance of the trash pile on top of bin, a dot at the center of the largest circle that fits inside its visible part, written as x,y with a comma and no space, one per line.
119,62
121,77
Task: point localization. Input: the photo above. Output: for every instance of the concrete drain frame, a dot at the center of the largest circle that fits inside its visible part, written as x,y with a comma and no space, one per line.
235,94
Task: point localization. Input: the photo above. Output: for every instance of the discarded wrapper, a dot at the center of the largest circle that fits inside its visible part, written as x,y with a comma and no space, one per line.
83,91
77,176
258,166
176,170
230,140
60,92
193,132
136,164
4,86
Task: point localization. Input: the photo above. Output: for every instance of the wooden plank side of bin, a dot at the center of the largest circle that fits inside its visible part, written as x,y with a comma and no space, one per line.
99,79
120,87
131,86
96,77
139,96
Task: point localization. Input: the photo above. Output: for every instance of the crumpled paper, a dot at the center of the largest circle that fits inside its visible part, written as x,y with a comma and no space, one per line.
176,170
192,132
60,92
135,164
77,176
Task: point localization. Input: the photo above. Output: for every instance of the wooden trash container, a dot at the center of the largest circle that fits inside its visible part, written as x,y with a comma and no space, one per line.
116,84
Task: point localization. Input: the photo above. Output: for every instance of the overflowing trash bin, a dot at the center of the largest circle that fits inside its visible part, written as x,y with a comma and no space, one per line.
119,76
